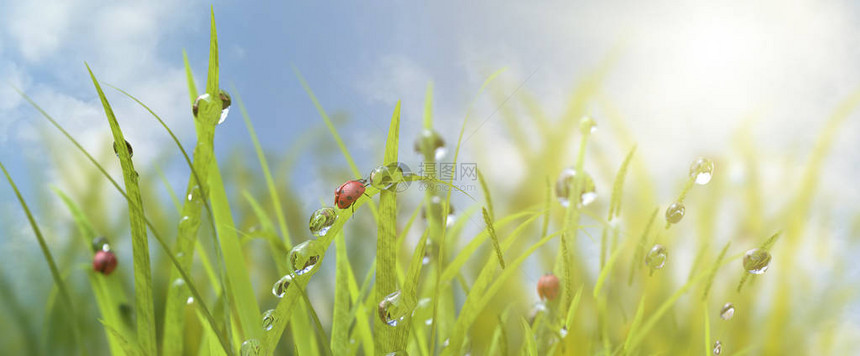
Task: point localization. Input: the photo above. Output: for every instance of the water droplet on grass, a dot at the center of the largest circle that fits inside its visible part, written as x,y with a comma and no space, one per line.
436,206
100,243
225,106
675,212
564,184
702,169
189,301
280,287
195,108
656,257
384,177
718,348
194,195
304,257
322,220
250,347
398,353
127,145
587,125
432,141
563,331
392,309
728,311
756,261
268,319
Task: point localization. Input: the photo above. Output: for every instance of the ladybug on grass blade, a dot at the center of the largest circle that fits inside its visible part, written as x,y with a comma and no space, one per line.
104,262
348,193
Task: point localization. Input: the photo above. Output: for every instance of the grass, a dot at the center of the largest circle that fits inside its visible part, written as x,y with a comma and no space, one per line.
467,286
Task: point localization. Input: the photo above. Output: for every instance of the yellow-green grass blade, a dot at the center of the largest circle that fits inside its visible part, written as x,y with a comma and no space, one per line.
529,345
107,291
240,289
634,325
499,343
640,247
125,345
707,318
571,310
492,232
618,186
267,174
486,190
428,107
139,241
278,249
174,261
341,319
388,338
604,273
765,246
714,271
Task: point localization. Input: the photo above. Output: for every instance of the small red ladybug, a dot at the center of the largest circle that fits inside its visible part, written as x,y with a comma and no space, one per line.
348,193
104,262
547,286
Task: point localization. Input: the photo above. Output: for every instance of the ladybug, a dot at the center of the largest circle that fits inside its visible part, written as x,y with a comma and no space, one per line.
104,262
547,286
348,193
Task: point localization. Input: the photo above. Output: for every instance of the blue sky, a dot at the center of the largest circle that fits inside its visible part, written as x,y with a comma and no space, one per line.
688,77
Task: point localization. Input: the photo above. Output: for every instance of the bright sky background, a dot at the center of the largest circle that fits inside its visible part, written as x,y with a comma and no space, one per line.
687,78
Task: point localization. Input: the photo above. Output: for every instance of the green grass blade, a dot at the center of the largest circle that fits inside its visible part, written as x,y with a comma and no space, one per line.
714,271
634,326
639,252
388,339
140,243
486,194
428,107
52,265
492,232
340,316
618,186
707,329
529,345
240,289
267,174
571,310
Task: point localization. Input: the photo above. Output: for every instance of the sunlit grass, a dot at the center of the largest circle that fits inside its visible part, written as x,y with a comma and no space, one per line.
453,286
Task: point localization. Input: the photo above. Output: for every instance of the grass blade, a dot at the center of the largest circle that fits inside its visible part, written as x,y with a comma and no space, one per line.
140,243
492,232
388,339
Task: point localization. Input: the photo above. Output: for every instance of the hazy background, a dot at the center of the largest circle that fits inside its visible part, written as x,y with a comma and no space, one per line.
687,78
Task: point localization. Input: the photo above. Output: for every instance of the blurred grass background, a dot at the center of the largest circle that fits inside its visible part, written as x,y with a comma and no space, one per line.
797,306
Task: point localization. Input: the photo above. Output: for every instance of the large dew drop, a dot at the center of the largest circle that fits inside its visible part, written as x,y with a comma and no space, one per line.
656,258
565,182
225,106
100,243
268,319
702,169
718,348
304,257
392,309
280,287
432,142
675,212
387,176
322,220
587,125
127,145
756,261
250,347
728,311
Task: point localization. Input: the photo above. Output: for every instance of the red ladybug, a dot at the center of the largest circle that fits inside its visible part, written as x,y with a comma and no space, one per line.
104,262
348,193
547,286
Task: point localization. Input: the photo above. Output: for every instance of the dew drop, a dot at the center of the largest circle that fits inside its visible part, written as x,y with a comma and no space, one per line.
702,169
392,309
225,106
268,319
436,206
304,257
656,258
195,108
425,260
189,301
100,243
565,182
548,287
387,176
675,212
728,311
563,331
587,125
398,353
322,220
127,145
280,287
433,142
194,195
250,347
756,261
718,348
